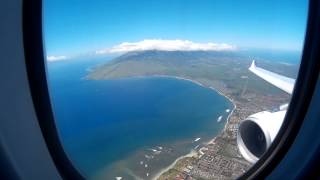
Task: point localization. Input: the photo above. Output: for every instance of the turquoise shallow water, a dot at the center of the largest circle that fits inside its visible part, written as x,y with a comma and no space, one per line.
109,125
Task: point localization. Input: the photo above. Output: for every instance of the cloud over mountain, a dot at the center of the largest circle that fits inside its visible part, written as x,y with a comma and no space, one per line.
56,58
166,45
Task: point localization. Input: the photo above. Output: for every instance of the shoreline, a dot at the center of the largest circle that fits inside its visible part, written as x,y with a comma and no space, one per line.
209,87
193,152
190,154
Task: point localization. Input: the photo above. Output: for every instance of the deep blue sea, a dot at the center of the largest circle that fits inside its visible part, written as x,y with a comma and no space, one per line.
109,126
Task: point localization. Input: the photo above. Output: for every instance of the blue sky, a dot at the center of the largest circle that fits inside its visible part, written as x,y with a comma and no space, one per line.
78,27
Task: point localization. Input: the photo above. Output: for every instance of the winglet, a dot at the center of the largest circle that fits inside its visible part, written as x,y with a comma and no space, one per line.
253,65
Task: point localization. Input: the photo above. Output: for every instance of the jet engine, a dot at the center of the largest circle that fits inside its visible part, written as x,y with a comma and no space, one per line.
257,132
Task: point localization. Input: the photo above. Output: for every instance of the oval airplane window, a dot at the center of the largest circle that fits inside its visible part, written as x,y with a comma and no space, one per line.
170,89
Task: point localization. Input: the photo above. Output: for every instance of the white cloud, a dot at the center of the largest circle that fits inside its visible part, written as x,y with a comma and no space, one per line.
166,45
56,58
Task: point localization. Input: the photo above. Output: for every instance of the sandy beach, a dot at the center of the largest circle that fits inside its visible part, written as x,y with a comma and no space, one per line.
191,154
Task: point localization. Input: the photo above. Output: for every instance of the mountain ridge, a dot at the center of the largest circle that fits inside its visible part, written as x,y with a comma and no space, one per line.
226,71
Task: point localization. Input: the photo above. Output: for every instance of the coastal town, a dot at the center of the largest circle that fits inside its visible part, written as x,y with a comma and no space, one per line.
220,158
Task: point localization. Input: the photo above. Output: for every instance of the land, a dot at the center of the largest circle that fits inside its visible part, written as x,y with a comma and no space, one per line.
225,72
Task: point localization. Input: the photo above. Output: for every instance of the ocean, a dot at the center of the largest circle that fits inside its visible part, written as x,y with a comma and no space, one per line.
133,127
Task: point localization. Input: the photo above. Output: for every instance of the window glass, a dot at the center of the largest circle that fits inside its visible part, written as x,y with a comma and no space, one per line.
170,89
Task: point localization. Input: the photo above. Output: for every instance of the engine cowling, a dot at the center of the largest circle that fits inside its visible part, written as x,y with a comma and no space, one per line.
257,132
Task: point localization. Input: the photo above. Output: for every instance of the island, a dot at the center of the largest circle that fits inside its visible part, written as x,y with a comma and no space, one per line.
223,71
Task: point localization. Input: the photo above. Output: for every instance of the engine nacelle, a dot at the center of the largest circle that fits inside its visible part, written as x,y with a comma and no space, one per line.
257,132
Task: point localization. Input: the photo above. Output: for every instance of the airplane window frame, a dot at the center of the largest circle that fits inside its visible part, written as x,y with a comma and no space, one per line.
36,72
300,101
301,97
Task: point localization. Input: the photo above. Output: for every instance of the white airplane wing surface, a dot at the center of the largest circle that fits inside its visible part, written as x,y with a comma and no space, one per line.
282,82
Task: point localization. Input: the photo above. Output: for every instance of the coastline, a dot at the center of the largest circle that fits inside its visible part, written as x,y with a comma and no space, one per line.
210,87
192,152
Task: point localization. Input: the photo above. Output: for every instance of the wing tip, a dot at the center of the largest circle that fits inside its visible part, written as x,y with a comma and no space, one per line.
253,65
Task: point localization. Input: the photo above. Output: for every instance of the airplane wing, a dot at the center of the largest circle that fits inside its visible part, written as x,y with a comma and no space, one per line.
284,83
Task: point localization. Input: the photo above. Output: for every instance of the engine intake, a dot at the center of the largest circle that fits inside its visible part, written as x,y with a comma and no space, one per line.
253,138
257,132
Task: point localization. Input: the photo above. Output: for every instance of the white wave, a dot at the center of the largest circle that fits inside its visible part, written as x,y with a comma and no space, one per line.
154,150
